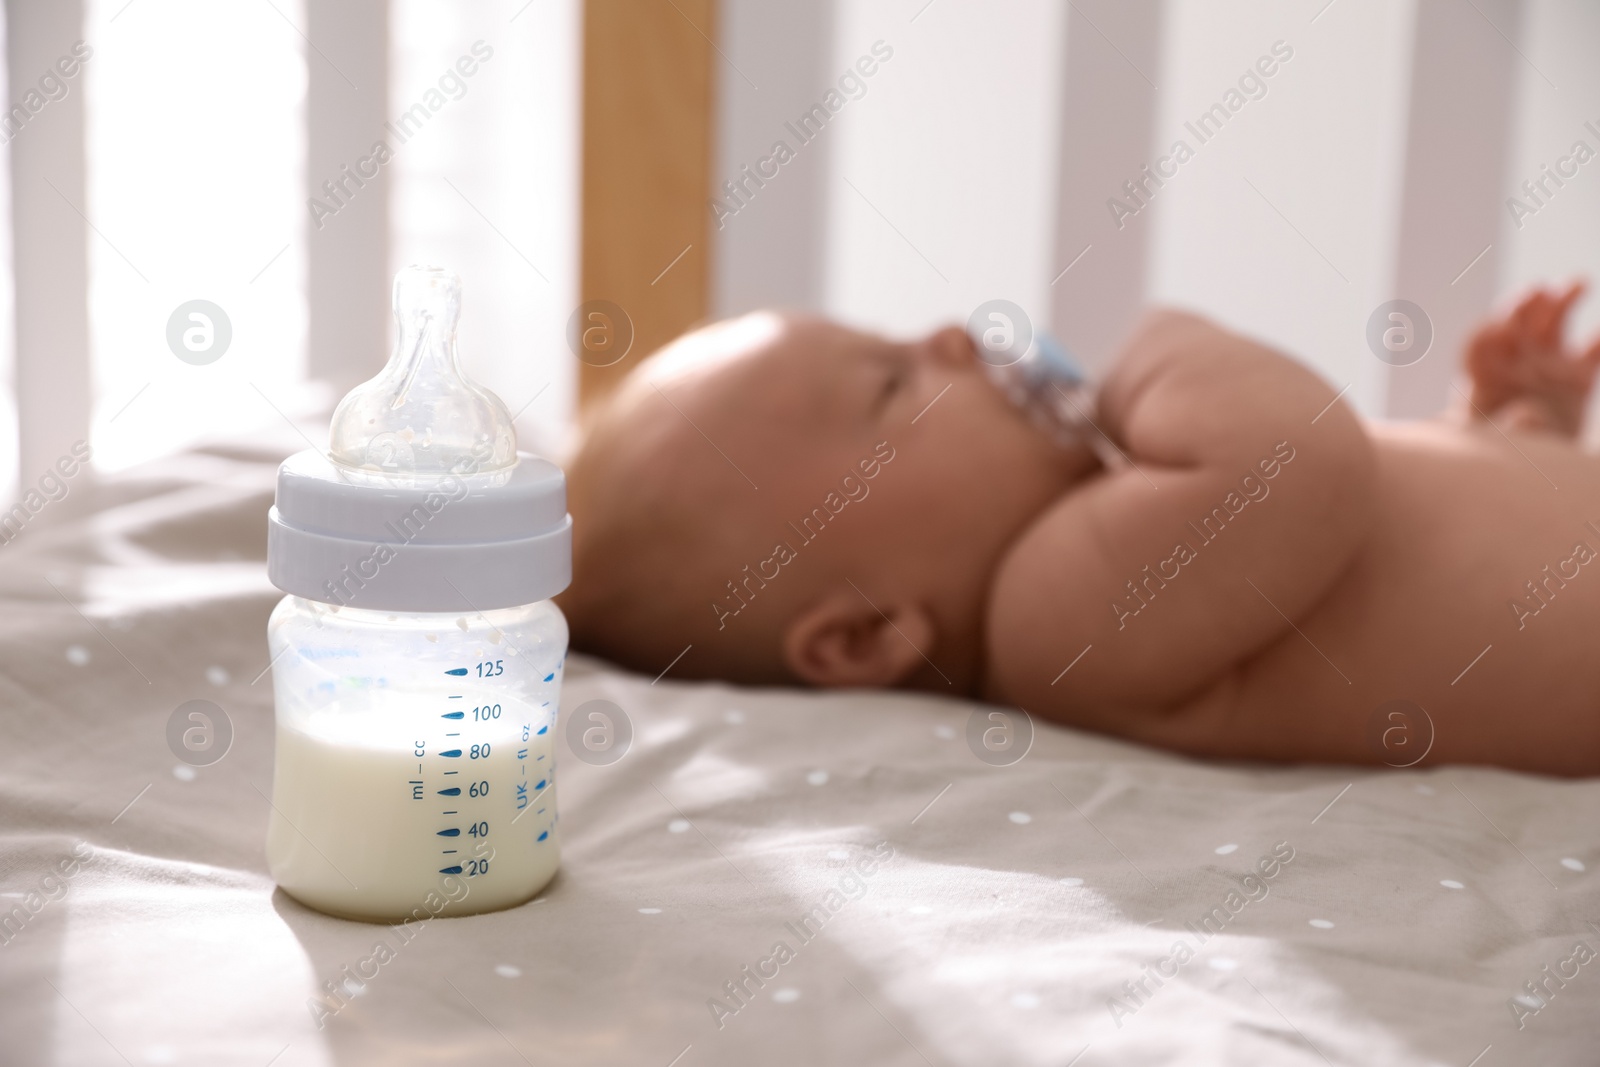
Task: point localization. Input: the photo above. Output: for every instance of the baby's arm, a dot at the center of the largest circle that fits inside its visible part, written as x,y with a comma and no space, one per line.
1218,427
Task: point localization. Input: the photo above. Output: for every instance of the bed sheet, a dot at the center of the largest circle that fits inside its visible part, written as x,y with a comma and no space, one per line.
770,877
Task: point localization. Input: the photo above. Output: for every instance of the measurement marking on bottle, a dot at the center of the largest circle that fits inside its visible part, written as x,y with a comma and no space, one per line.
454,831
453,772
453,791
451,753
459,672
450,870
453,715
449,852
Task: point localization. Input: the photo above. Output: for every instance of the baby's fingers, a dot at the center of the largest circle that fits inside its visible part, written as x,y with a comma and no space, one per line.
1492,345
1590,357
1549,322
1530,311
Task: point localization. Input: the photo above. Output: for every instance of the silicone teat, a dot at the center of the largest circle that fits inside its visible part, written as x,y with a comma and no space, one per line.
421,415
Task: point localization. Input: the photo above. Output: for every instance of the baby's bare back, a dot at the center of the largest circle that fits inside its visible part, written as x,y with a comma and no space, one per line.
1476,599
1435,595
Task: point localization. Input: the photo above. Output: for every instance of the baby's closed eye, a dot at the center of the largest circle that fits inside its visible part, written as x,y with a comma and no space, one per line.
895,375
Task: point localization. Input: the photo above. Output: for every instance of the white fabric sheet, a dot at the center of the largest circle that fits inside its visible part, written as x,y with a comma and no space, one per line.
1015,905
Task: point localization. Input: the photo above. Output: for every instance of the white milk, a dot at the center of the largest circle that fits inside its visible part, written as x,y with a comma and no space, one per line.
362,817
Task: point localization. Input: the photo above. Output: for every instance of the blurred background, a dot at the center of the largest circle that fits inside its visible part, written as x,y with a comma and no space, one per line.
612,171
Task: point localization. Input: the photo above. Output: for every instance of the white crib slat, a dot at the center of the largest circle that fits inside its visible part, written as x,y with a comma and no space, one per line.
49,240
793,47
1459,135
1109,102
347,105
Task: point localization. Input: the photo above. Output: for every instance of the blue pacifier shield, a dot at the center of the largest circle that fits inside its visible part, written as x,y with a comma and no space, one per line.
1054,362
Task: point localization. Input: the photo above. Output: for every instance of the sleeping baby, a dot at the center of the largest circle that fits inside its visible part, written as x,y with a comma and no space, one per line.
782,500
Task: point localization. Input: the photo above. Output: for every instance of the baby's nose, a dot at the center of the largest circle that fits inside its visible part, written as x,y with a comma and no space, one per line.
950,346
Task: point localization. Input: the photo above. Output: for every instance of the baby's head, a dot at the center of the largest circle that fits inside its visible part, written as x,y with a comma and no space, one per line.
802,502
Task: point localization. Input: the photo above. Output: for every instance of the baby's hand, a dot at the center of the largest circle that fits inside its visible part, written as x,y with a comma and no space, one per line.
1523,374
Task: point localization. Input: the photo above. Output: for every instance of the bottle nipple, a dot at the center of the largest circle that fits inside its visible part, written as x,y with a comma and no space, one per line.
421,414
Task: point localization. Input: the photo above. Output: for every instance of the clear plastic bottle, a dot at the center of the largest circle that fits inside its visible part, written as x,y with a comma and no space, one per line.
417,659
395,773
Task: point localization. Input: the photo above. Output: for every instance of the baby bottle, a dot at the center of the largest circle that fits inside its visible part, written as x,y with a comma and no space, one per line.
416,660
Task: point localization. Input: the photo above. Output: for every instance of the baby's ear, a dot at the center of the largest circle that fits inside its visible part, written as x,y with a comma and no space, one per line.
843,640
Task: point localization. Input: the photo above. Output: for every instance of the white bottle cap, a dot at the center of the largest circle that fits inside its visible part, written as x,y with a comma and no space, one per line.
457,543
